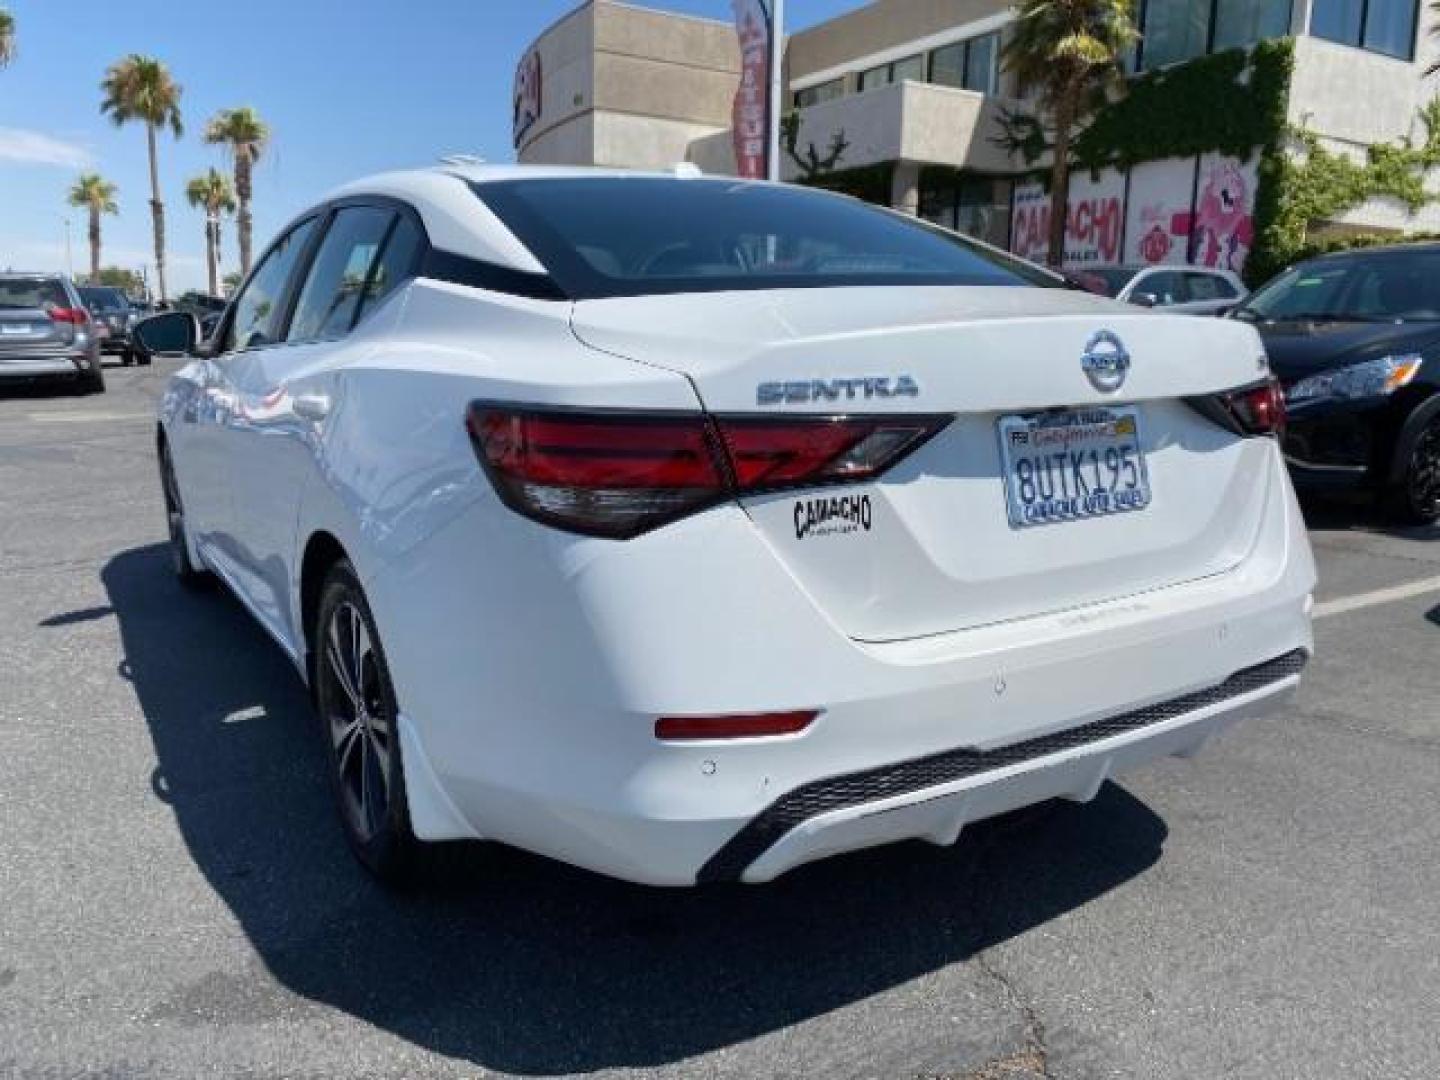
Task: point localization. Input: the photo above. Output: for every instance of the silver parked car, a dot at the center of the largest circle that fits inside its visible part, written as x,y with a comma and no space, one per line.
1193,290
46,331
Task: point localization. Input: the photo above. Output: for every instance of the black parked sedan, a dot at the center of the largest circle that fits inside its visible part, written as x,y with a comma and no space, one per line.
1355,339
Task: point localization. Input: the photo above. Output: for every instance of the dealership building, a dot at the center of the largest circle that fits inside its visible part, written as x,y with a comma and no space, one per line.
902,102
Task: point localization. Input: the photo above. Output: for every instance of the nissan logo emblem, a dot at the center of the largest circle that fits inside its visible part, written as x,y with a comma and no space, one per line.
1105,362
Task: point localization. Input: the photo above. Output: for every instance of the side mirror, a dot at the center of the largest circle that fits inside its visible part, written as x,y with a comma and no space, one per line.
172,333
1144,299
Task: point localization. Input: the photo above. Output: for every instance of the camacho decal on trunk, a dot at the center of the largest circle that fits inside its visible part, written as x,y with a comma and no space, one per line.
835,516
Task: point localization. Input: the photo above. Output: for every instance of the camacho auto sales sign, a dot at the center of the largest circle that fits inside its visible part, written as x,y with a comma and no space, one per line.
749,116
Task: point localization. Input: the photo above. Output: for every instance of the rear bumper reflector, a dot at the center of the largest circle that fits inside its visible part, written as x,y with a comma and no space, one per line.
838,792
758,725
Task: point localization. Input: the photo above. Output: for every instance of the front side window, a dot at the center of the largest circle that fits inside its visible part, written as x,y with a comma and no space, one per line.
259,308
331,297
1383,26
637,236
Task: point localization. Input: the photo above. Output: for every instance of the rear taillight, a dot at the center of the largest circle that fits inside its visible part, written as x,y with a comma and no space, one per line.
76,316
1258,409
618,474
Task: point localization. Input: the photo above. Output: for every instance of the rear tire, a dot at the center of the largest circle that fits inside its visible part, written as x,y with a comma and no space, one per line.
142,359
92,381
187,573
1415,500
359,717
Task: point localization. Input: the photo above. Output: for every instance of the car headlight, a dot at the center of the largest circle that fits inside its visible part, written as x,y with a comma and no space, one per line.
1368,379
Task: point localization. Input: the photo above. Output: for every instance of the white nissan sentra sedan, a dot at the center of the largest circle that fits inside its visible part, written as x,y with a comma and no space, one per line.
690,529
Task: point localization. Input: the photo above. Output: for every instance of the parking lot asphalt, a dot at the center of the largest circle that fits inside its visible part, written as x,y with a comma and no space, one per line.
176,899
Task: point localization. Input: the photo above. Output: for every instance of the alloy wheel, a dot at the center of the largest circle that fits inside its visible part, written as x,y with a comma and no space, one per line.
362,733
1423,482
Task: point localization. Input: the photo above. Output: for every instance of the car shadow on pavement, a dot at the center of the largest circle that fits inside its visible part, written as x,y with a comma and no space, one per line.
520,964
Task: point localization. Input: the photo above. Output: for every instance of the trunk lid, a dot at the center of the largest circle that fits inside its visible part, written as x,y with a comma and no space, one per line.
933,548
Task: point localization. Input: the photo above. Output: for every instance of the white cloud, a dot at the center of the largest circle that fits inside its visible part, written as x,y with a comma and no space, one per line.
37,148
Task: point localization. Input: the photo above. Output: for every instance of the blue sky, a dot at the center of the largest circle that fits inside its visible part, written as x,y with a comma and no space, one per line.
349,87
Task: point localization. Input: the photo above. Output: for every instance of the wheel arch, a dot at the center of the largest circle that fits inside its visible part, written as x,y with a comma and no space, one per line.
322,551
1419,419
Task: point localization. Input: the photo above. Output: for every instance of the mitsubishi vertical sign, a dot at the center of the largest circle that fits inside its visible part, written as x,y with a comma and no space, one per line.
750,116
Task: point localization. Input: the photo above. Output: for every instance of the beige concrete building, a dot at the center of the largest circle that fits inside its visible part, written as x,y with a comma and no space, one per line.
631,87
913,90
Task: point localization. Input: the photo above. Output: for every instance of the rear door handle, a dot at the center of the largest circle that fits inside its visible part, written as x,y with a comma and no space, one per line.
311,406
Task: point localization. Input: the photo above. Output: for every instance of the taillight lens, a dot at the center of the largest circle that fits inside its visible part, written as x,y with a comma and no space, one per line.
619,474
76,316
1258,409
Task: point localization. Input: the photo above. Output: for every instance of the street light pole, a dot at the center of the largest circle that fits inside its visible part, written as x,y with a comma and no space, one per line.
777,86
69,262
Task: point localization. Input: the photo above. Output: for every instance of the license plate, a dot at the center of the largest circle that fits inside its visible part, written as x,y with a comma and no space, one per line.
15,329
1073,465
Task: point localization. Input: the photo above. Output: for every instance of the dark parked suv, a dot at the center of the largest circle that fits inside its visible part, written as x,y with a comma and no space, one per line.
45,331
112,314
1355,339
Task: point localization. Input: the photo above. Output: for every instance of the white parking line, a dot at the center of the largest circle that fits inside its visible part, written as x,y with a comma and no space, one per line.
1379,596
85,417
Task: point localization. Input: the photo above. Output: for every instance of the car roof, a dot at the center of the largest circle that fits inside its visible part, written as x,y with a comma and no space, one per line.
1420,247
458,222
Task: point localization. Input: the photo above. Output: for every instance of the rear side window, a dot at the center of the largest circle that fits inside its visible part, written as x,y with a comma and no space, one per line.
1208,287
332,294
261,304
635,236
32,293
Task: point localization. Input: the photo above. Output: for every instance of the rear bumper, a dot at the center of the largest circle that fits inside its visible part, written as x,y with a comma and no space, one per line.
43,366
934,798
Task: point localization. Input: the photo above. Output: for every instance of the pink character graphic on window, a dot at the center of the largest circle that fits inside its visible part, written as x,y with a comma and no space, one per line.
1224,231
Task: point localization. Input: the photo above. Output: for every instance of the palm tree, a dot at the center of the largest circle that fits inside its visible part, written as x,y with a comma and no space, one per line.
94,193
141,88
211,192
7,37
245,135
1069,52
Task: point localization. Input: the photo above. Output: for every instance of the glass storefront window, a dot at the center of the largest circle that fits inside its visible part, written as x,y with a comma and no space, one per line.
813,95
1174,31
1390,27
1383,26
912,67
947,65
1241,23
978,206
982,56
968,65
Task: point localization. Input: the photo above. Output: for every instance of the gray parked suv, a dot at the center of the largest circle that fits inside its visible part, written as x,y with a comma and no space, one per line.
45,331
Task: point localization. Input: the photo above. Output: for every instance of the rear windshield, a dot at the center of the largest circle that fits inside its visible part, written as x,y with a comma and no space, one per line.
635,236
104,299
32,293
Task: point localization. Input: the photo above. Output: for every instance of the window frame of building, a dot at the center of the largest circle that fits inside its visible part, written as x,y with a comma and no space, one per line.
1361,38
967,48
828,90
1139,64
889,72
